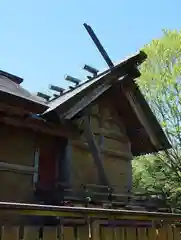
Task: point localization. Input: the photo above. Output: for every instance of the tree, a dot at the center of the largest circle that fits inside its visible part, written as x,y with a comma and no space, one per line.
160,83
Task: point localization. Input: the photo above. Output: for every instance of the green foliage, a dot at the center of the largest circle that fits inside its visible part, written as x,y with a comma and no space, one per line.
161,85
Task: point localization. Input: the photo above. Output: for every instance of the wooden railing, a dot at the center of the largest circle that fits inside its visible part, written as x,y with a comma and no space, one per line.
30,222
100,196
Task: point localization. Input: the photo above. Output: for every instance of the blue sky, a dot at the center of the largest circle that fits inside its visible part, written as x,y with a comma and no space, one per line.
42,40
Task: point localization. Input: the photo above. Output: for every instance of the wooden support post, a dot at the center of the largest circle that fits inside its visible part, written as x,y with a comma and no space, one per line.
130,176
95,151
64,162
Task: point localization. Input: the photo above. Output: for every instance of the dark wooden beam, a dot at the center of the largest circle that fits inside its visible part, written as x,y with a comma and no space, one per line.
57,89
95,151
12,77
105,152
13,110
99,45
90,69
8,167
44,96
110,81
85,101
40,126
140,115
73,80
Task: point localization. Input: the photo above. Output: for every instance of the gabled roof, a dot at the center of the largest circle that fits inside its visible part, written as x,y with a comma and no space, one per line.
146,134
73,101
143,129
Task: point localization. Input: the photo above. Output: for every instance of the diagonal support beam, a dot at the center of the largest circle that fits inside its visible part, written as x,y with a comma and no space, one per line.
95,151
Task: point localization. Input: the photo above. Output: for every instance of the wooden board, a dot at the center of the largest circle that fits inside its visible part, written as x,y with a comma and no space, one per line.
31,233
176,233
16,147
50,233
10,233
82,233
95,232
152,234
142,234
83,168
162,233
106,233
68,233
14,182
117,172
130,233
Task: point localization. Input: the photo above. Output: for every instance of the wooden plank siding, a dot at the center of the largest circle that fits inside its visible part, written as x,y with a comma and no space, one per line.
17,145
17,187
83,168
17,164
18,148
117,171
17,159
114,144
97,232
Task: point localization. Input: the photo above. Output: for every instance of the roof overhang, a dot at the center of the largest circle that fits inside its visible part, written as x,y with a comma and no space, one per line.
144,131
72,102
13,94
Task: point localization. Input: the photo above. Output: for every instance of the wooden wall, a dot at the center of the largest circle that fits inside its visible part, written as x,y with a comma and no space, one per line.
83,168
17,147
114,144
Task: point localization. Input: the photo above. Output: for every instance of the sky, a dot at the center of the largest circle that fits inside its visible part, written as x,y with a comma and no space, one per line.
43,40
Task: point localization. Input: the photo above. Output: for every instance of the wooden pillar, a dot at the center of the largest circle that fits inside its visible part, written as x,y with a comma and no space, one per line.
129,176
64,161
